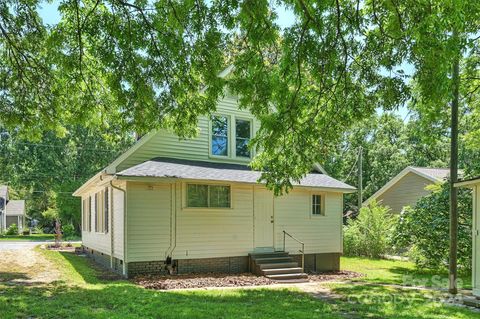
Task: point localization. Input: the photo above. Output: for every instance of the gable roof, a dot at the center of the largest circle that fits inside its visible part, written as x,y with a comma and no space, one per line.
435,175
3,191
198,170
16,207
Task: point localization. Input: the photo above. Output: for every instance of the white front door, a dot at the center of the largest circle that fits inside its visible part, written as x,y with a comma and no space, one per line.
263,218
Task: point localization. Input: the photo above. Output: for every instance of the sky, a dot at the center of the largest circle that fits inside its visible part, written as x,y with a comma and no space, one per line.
50,15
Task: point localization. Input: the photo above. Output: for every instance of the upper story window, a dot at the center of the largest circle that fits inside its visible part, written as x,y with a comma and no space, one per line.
220,135
242,137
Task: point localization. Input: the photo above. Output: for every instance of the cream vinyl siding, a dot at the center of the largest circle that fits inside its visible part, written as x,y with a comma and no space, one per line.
406,192
222,232
96,240
215,232
148,221
321,234
167,144
118,209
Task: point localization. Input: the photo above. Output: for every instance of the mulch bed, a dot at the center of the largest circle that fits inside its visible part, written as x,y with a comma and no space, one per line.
60,248
167,282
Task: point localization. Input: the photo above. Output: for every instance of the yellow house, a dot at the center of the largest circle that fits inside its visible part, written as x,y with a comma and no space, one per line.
408,186
194,205
474,183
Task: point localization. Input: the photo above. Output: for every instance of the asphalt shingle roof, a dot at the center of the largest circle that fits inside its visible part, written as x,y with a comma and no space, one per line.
439,174
16,207
186,169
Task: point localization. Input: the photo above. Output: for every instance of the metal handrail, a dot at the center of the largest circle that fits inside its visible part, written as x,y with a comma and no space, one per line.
298,241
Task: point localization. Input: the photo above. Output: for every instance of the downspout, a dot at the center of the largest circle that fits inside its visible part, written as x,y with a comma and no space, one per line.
173,223
124,226
112,213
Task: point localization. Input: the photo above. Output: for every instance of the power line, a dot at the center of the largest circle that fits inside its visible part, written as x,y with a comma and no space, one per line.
65,146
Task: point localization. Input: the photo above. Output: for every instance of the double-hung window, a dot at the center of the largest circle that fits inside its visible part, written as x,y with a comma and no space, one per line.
242,137
219,135
199,195
317,205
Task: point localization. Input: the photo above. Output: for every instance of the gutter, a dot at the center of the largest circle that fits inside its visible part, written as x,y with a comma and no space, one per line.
124,226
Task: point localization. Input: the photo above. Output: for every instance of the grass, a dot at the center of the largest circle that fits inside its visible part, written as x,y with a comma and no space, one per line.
387,302
32,237
81,293
400,273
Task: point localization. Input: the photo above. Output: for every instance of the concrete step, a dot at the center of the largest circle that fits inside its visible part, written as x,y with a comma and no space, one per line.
276,271
288,276
255,256
291,281
471,302
273,260
278,265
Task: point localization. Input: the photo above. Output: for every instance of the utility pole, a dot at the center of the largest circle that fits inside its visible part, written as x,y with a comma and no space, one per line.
454,174
360,178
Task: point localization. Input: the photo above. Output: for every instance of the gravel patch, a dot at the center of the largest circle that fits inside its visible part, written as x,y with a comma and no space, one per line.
333,276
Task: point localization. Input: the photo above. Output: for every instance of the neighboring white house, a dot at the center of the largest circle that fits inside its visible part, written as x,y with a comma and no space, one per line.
406,188
475,185
194,205
11,211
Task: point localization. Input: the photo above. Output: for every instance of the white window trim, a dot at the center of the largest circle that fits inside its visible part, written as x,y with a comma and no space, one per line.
232,138
185,206
322,205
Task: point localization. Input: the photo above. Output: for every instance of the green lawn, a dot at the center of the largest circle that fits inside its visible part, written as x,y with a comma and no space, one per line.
81,294
399,272
33,237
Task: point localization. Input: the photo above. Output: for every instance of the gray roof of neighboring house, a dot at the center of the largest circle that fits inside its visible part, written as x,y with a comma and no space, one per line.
439,174
3,191
186,169
16,207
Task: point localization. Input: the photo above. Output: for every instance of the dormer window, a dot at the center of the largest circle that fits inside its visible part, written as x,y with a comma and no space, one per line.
242,137
219,135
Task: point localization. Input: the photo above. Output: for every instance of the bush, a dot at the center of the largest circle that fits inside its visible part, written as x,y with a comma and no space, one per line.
12,229
424,229
369,234
26,232
68,231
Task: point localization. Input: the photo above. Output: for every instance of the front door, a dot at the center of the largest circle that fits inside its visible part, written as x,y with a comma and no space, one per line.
263,218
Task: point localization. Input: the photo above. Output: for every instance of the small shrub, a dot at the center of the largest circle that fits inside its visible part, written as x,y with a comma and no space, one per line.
68,231
36,230
369,234
424,229
12,229
26,232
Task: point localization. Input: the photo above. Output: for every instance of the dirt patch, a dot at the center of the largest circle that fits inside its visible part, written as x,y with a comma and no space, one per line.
201,281
26,266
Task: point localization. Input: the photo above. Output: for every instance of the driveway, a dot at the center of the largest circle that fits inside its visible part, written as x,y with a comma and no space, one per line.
18,245
20,263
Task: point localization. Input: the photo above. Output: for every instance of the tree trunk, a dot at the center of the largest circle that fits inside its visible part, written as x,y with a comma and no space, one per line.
360,178
454,176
